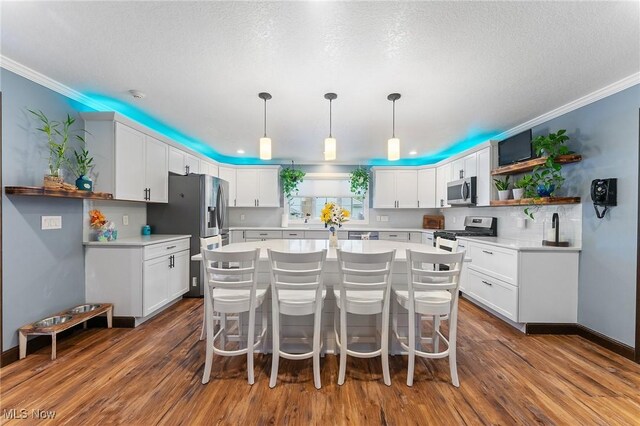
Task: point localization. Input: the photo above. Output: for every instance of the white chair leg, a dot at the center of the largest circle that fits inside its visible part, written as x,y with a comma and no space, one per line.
275,356
263,333
343,350
208,360
336,321
394,316
316,346
412,346
384,346
436,336
250,339
453,331
203,332
223,327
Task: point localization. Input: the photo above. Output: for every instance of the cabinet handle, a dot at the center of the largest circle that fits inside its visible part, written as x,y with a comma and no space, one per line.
393,235
149,194
263,235
487,251
186,169
171,247
441,202
486,282
418,203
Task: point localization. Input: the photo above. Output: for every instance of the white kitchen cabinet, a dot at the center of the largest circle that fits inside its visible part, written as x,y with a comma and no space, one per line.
443,177
140,166
207,168
129,163
257,187
415,237
393,236
237,237
229,174
484,183
260,235
396,188
427,188
537,286
183,163
139,278
464,167
464,271
323,234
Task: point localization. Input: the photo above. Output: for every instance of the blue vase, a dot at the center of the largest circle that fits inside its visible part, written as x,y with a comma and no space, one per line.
545,190
83,183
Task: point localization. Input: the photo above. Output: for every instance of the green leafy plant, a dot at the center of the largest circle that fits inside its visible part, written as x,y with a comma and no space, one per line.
83,163
359,182
551,145
290,179
58,134
501,185
524,182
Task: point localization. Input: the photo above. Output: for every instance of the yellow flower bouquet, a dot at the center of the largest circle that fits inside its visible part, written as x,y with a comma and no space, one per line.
333,215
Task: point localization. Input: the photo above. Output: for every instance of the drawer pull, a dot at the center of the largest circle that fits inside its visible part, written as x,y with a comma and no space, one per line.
487,251
393,235
263,235
486,282
171,247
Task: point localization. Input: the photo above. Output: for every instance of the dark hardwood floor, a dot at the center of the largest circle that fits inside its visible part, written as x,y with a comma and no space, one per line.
151,375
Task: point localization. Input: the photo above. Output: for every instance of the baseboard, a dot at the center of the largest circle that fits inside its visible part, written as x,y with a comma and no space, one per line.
582,331
38,342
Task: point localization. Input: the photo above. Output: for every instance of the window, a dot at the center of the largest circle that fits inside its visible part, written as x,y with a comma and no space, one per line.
317,189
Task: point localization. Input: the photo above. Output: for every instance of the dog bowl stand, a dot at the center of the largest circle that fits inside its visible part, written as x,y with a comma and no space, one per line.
33,330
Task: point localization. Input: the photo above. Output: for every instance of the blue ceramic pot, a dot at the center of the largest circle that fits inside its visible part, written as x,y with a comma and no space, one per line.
83,183
545,191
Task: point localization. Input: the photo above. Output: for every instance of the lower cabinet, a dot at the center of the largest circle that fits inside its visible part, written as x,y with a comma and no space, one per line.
495,294
393,236
138,279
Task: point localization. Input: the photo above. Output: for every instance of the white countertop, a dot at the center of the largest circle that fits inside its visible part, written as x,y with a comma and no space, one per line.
322,228
298,246
140,240
515,244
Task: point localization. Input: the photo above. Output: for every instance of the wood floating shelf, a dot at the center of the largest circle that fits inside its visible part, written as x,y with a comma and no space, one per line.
40,191
527,166
543,201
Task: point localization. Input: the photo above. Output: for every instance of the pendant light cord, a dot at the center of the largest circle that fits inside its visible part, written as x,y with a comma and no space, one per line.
393,130
265,118
330,100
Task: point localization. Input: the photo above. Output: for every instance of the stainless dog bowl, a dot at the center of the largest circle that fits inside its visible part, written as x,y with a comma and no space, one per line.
81,309
48,322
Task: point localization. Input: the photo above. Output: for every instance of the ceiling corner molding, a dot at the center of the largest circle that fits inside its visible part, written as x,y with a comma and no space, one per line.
592,97
41,79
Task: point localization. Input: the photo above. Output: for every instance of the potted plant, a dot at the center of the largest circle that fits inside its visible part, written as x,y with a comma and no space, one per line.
359,182
82,166
503,188
521,185
291,178
548,176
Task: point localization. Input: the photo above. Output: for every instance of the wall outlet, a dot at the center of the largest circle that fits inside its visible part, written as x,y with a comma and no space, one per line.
125,219
378,219
242,217
385,218
453,219
51,222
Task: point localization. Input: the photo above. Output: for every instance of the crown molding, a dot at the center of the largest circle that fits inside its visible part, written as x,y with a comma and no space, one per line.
41,79
592,97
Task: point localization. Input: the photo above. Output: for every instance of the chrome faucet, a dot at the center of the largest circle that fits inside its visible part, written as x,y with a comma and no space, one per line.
555,224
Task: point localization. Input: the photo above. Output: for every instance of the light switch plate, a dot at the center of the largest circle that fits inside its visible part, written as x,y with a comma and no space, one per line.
385,218
125,219
241,217
51,222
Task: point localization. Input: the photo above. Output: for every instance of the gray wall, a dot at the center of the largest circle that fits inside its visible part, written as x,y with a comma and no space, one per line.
43,271
606,134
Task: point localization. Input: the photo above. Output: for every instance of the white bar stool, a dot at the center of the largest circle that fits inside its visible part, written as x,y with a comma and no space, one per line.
364,288
297,289
433,294
232,290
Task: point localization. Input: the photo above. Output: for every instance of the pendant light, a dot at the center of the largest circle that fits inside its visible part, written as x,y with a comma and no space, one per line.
330,142
393,144
265,142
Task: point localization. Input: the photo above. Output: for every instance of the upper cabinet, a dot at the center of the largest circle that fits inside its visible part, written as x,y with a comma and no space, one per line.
183,163
486,159
395,188
443,177
257,187
427,188
229,174
464,167
128,163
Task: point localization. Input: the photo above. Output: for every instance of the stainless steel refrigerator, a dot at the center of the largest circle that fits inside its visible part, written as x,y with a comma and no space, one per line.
197,206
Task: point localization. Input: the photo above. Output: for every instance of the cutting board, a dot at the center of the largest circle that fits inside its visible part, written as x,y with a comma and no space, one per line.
432,222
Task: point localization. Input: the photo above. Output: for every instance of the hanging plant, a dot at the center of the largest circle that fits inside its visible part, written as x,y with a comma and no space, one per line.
290,179
359,181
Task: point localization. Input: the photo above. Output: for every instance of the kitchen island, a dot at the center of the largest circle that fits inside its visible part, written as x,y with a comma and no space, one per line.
361,326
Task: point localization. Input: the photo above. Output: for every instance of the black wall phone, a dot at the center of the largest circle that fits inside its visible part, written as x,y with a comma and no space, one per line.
604,193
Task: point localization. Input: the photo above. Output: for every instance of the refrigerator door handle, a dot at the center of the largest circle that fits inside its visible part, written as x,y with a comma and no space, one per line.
221,208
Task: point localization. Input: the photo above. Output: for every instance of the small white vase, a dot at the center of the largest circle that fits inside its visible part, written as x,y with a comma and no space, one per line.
504,195
518,193
284,222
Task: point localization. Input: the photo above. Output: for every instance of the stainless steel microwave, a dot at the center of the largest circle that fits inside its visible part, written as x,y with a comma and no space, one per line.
462,192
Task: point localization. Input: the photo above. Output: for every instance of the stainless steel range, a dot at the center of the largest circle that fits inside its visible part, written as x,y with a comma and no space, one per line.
474,226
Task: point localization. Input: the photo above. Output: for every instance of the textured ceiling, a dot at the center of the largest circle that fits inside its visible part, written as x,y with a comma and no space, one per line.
465,70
